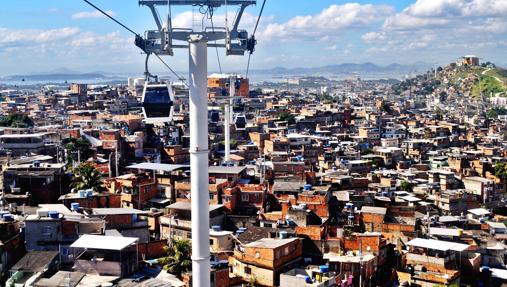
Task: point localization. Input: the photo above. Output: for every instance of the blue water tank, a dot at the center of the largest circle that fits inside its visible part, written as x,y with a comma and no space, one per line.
324,268
89,192
308,279
215,228
238,232
243,229
54,214
82,193
7,217
283,234
307,187
74,206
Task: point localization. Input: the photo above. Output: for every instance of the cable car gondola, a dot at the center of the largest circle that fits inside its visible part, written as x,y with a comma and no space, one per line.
214,116
158,103
240,122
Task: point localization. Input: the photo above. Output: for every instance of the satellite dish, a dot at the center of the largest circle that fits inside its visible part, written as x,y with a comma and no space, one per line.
157,103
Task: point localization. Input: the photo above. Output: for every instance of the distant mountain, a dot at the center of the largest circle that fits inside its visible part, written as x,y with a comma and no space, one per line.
56,77
58,71
350,68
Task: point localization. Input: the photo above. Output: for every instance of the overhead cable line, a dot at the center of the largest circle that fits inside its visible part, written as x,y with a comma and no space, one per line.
253,37
172,71
138,40
111,17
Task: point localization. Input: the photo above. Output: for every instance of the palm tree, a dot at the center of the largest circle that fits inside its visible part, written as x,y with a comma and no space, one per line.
87,176
178,259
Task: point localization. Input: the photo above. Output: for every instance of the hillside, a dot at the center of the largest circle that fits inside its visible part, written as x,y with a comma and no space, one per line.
462,80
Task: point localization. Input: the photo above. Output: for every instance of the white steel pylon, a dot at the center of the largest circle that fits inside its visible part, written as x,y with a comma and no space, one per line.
161,42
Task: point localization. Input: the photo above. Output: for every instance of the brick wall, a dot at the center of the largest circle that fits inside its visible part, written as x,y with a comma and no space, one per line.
152,249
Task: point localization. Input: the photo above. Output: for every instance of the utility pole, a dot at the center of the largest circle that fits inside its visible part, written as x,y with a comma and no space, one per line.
116,159
228,119
110,165
361,262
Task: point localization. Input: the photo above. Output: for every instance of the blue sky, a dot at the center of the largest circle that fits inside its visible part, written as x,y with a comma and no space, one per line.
40,36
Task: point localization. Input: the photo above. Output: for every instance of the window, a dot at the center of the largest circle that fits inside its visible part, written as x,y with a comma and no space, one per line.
211,242
189,235
248,270
245,197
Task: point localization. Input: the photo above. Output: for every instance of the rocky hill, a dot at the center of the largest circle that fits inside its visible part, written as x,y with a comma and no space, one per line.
472,81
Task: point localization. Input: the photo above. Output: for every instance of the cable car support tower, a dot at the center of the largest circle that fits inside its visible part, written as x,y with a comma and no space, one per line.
163,42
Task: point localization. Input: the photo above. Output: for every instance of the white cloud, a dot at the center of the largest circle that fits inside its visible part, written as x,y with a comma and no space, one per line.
11,38
185,20
442,13
442,24
329,23
89,39
91,15
331,48
65,47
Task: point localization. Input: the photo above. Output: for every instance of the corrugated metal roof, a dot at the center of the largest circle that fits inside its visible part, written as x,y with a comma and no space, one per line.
104,242
35,261
437,244
226,169
444,231
479,211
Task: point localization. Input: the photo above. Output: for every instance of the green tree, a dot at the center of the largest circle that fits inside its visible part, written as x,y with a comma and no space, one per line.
288,117
501,170
178,259
406,186
87,176
16,120
77,148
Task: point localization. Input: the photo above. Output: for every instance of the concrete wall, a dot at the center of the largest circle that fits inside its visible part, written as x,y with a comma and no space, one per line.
262,276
